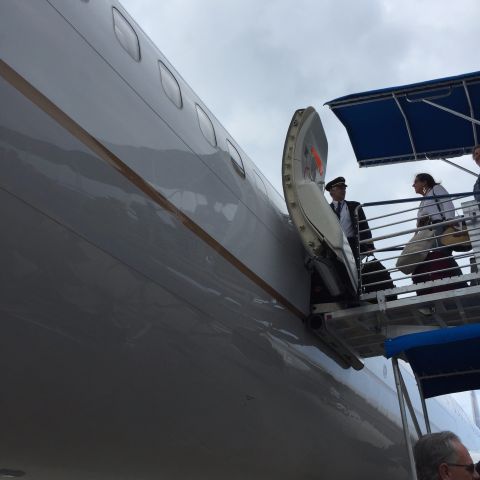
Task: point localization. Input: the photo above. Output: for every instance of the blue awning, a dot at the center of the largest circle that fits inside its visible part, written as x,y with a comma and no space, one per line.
445,360
413,122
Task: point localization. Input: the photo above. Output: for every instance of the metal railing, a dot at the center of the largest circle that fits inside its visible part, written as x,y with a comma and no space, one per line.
441,266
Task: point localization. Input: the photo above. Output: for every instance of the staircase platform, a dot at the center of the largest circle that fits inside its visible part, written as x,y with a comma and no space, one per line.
359,331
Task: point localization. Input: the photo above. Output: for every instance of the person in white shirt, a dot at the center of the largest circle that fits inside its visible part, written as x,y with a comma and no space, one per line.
345,211
439,262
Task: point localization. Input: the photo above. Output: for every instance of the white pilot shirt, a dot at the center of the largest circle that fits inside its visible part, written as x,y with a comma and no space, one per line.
345,220
429,206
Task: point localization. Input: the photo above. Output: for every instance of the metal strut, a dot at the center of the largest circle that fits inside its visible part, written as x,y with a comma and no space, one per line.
407,125
467,94
449,110
401,402
458,166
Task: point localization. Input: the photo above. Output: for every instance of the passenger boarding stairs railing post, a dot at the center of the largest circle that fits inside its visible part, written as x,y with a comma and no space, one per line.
441,289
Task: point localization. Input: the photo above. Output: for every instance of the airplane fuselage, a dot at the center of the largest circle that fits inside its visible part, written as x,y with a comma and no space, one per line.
152,295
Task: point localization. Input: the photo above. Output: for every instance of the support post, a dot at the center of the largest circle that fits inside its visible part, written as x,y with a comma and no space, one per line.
424,407
410,406
403,413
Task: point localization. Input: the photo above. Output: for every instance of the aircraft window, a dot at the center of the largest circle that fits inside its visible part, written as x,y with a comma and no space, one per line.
170,85
126,35
236,159
260,184
206,127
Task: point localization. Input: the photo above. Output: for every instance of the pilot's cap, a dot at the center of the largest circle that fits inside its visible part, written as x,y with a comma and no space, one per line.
335,182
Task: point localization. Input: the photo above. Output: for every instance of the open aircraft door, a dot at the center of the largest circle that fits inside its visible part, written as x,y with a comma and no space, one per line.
303,177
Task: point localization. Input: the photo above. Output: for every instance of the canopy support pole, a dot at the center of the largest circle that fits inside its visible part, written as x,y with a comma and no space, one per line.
409,405
467,94
425,414
458,166
406,433
407,125
424,405
453,112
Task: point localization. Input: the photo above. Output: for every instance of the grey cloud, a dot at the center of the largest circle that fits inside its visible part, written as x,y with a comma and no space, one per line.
253,63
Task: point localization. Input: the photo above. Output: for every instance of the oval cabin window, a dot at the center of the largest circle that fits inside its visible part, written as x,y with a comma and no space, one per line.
206,127
170,85
236,159
126,35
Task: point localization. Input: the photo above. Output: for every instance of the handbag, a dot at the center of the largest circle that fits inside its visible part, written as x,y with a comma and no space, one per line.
416,250
378,273
458,240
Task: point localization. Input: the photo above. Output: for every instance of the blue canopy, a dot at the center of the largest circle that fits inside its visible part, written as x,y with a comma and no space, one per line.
445,360
413,122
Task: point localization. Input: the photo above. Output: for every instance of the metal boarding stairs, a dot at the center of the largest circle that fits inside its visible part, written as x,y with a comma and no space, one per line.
444,296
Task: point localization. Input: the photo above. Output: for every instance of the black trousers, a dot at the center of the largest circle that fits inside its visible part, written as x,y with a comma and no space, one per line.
353,245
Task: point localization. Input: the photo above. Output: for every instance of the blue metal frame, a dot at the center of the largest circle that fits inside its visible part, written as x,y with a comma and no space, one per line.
445,360
429,120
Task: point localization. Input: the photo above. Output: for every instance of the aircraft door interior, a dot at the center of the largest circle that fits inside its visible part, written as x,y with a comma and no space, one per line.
304,164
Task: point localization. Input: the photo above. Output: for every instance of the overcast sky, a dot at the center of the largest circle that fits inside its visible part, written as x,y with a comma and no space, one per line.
254,62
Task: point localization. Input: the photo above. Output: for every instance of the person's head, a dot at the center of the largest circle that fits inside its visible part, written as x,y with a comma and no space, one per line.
423,182
442,456
337,189
476,154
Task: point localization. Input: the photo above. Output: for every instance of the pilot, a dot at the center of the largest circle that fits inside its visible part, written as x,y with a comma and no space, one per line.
345,211
442,456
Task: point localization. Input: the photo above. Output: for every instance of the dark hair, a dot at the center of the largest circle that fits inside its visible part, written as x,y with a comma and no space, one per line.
474,148
426,177
433,449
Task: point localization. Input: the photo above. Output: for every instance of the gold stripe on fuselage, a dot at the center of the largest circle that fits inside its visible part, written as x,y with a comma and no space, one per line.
36,97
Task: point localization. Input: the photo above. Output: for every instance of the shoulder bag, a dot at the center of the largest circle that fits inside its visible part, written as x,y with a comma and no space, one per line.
415,251
457,239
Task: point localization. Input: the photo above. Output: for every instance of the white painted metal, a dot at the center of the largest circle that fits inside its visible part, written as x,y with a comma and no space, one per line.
317,224
401,401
